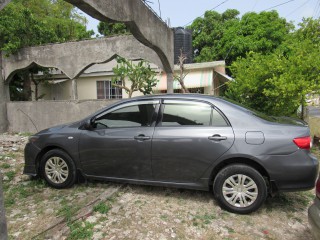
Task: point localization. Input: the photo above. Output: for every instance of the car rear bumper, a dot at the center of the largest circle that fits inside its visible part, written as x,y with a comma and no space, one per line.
30,155
314,218
294,172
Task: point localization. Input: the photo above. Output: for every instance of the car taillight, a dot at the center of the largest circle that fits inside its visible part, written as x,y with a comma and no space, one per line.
318,188
303,142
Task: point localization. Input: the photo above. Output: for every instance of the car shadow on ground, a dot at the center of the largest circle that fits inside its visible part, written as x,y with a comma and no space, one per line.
288,201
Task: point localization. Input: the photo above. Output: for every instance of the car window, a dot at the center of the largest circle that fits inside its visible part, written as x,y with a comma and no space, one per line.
218,120
139,115
190,114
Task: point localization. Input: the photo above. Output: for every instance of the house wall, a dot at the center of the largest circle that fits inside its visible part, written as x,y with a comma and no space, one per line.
196,77
35,116
87,87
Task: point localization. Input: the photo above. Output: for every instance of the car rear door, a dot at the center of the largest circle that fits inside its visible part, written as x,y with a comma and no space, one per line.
188,138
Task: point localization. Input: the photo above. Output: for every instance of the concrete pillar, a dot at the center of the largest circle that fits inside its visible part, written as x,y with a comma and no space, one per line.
3,222
4,98
169,82
74,89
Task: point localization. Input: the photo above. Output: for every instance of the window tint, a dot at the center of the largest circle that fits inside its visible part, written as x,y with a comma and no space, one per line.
217,119
176,114
130,116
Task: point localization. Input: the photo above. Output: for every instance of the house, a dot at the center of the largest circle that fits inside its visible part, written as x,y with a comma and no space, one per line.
95,82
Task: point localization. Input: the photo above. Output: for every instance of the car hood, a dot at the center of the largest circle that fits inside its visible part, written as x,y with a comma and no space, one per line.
60,127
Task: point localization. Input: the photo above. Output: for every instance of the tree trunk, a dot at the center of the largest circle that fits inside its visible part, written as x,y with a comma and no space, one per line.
302,109
36,92
27,87
3,222
183,87
36,97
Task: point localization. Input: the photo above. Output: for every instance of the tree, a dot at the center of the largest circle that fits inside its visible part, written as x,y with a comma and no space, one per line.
226,36
25,23
277,83
141,76
180,78
109,28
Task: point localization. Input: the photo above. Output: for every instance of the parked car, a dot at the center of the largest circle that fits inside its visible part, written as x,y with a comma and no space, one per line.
185,141
314,213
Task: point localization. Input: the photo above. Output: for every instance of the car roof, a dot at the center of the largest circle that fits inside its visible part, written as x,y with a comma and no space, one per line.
194,96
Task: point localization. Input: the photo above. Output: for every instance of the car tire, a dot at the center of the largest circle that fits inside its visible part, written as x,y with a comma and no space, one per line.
58,169
239,188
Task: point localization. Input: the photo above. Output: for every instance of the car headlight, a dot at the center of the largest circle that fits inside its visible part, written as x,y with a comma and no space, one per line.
33,139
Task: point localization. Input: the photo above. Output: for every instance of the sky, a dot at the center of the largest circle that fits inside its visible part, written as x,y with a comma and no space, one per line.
182,12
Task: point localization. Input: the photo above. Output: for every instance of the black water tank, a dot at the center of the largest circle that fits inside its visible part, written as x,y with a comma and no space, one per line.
183,40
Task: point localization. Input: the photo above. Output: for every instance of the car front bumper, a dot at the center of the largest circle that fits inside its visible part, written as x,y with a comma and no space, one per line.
314,218
30,158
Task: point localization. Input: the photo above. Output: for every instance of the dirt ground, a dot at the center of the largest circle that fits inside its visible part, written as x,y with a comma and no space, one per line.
99,210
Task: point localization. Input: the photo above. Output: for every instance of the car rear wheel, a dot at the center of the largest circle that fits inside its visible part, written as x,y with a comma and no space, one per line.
239,188
58,169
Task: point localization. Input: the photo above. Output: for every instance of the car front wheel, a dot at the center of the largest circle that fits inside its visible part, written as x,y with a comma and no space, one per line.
58,169
240,188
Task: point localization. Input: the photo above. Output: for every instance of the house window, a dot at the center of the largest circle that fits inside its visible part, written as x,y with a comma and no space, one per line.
105,90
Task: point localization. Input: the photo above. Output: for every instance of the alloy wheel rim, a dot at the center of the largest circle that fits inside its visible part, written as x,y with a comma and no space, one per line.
240,190
57,170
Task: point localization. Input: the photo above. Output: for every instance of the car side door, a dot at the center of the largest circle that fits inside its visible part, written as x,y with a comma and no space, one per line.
188,138
119,143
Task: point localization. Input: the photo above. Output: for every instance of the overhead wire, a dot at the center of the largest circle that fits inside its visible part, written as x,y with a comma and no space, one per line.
278,5
316,12
255,4
298,8
223,2
240,31
159,7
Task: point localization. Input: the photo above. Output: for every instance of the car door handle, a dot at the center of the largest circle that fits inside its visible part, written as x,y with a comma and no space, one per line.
141,137
217,138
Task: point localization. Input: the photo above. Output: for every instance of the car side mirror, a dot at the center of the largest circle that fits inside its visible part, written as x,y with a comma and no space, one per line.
89,124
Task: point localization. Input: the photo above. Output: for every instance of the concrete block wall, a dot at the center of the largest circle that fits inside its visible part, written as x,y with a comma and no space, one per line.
34,116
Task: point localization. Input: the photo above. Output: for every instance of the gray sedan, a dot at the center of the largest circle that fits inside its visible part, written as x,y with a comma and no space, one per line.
185,141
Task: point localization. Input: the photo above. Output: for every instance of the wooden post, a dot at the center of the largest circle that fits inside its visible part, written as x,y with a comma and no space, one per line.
3,222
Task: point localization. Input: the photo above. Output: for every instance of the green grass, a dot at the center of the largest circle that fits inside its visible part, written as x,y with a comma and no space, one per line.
230,230
164,217
25,134
5,166
9,155
203,219
80,230
102,208
67,211
10,175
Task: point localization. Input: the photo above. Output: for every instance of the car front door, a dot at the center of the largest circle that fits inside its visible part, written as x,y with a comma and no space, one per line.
119,143
189,138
